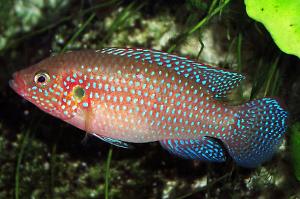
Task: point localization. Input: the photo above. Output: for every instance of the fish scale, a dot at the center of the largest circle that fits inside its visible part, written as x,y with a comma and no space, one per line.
137,95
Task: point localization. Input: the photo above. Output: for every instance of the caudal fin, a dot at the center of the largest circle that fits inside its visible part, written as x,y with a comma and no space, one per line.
259,128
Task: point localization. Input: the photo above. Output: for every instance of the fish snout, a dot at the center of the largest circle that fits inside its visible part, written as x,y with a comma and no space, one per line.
18,84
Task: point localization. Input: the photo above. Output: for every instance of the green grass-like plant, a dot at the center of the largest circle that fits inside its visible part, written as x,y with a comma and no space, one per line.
295,148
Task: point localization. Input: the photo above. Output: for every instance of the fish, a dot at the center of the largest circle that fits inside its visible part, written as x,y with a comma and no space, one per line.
134,95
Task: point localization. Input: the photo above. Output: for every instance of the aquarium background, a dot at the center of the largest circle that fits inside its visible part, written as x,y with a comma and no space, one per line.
43,157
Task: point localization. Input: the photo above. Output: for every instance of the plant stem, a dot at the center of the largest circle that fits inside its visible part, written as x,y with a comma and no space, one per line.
107,173
77,33
19,160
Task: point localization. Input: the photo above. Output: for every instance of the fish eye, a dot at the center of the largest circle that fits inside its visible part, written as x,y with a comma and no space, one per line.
41,78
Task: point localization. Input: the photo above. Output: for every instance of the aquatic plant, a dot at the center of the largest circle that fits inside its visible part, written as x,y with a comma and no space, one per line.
282,19
295,148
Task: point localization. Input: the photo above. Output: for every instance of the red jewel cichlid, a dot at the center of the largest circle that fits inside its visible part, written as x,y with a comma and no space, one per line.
136,95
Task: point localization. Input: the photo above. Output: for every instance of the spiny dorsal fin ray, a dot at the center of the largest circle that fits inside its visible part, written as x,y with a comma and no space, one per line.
217,81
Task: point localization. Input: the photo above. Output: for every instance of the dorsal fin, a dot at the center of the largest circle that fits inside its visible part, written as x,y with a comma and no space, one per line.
217,81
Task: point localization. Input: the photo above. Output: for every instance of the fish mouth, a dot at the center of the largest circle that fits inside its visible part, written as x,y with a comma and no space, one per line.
18,84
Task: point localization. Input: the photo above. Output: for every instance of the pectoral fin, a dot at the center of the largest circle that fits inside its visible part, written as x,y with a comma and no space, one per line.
89,115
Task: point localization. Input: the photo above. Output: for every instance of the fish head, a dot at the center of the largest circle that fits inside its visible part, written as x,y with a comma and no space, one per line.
42,85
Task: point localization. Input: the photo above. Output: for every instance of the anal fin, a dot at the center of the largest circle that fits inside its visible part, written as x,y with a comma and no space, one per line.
113,141
205,148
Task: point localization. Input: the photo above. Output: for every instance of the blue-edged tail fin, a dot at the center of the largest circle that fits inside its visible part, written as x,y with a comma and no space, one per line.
205,148
257,133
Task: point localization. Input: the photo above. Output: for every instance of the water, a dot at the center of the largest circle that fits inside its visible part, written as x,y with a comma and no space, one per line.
42,157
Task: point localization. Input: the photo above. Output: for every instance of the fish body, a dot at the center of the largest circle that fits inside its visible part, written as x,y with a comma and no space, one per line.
139,95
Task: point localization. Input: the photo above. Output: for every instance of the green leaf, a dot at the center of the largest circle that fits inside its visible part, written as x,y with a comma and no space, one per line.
295,148
281,18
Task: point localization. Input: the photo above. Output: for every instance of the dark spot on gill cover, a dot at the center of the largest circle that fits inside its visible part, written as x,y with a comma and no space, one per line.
79,92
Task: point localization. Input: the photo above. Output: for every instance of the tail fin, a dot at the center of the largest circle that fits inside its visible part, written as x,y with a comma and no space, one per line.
259,128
